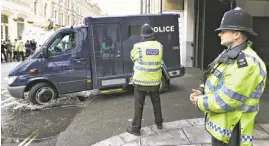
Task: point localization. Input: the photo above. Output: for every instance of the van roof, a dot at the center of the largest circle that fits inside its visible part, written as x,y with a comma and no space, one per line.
140,15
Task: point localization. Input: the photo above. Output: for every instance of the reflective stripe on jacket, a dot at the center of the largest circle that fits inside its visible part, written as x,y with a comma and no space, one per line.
147,58
232,94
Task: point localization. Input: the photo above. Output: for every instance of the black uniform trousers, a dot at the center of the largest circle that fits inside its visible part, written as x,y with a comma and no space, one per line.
140,93
234,141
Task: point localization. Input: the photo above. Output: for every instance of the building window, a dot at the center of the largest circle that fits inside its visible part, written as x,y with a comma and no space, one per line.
134,30
35,7
4,26
20,25
45,10
4,19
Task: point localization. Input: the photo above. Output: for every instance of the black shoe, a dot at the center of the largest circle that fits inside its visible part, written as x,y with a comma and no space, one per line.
134,132
159,126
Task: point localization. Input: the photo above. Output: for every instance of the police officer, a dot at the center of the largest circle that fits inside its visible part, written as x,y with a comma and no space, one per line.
233,85
108,56
20,48
147,58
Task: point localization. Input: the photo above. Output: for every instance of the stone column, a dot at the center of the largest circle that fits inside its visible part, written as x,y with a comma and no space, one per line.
188,33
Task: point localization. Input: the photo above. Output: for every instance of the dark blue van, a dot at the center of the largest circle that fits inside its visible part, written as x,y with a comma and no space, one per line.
72,60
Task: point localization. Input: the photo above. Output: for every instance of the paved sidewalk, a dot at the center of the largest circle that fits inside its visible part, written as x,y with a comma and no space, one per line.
189,132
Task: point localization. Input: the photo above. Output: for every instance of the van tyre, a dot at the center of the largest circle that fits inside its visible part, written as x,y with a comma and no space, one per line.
42,93
164,86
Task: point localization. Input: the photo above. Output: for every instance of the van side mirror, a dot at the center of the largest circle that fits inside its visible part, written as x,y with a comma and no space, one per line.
45,52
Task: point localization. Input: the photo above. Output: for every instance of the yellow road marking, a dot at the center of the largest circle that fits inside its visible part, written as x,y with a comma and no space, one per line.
32,139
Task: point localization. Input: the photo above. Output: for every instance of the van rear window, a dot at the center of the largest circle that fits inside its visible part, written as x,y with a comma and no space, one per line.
134,30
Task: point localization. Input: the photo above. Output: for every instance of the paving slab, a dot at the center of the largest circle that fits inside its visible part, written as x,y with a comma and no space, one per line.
265,127
197,135
133,143
192,145
172,137
197,122
112,141
190,132
261,143
171,125
206,144
145,131
259,133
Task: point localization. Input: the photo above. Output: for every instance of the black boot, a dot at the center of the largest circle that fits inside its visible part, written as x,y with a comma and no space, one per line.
159,126
133,131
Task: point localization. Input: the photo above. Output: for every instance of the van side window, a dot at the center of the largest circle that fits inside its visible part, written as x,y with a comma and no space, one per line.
63,44
134,30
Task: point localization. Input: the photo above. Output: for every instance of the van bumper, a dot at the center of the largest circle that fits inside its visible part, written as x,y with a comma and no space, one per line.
177,72
17,92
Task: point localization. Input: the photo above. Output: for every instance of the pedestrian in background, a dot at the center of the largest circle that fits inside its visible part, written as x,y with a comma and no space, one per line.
147,58
28,48
234,84
14,50
20,49
3,51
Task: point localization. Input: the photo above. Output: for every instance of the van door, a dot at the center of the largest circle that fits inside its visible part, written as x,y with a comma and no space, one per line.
108,54
65,65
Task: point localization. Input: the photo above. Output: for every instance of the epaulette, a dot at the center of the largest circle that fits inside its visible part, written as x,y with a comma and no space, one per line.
241,60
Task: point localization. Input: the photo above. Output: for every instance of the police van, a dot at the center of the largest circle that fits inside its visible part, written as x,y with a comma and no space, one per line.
72,60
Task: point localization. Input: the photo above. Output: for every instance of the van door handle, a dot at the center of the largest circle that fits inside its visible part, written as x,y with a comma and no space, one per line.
78,59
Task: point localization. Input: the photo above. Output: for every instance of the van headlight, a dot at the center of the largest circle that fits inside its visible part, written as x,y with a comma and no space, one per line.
11,79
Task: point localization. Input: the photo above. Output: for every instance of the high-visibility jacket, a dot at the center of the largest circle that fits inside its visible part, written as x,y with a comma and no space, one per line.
107,52
147,58
232,94
20,46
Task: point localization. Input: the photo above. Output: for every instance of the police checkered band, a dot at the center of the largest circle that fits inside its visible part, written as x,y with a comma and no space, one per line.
219,129
149,63
147,82
246,138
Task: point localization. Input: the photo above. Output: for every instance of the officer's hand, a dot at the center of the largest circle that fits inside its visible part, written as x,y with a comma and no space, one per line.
196,92
194,98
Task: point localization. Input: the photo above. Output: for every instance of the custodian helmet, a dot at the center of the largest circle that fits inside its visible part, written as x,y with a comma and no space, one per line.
237,19
147,31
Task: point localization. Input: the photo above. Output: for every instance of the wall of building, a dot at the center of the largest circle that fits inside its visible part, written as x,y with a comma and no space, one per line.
15,10
188,33
255,7
34,13
186,22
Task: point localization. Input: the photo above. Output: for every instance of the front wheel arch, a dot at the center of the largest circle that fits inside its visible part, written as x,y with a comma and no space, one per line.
31,84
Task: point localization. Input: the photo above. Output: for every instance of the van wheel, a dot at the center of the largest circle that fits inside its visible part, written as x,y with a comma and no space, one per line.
42,93
164,85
